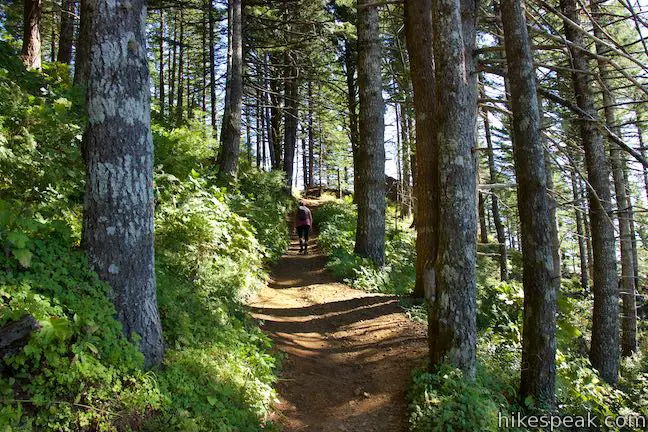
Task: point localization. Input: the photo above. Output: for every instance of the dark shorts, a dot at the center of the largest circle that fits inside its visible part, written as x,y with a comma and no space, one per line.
303,231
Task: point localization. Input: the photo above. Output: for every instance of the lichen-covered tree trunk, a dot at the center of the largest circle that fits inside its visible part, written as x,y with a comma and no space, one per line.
418,34
231,129
118,232
604,350
370,169
31,43
453,332
629,315
66,35
538,368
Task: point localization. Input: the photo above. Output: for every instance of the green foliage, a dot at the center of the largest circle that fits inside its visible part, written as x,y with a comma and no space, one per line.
78,371
261,200
182,149
40,135
448,401
336,221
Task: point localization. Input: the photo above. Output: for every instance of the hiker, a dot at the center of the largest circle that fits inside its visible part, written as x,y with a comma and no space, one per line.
303,222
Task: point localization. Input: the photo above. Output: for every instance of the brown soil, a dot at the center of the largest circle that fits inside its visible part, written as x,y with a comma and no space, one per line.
348,353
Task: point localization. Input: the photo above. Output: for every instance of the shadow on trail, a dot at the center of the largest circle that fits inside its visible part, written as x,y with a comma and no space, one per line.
349,354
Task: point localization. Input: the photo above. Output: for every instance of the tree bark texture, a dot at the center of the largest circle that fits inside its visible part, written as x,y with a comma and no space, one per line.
629,315
31,43
418,34
538,370
66,36
370,190
231,130
604,350
453,333
118,232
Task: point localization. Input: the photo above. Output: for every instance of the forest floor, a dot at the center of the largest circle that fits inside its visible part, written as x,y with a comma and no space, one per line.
347,354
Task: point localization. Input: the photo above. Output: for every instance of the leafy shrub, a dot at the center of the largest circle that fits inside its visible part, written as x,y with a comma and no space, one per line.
259,197
180,150
336,221
78,372
448,401
40,136
202,238
78,369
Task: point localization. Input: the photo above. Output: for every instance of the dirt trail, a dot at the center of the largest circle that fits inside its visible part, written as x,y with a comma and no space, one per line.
349,354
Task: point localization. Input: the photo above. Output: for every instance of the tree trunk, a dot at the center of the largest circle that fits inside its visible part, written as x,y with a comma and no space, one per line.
66,37
629,316
604,351
311,137
162,83
181,57
231,130
304,161
642,149
31,44
539,328
497,219
291,84
580,232
406,207
370,190
82,56
483,230
212,68
453,332
275,117
118,232
418,34
259,126
350,63
173,62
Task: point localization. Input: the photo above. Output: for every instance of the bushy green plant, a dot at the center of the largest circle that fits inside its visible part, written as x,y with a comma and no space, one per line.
260,197
448,401
336,221
78,372
40,137
78,369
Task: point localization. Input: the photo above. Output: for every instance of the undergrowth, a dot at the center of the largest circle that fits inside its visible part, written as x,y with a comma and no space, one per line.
78,372
445,400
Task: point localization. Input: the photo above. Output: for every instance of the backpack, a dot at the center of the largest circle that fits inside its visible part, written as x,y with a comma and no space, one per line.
302,213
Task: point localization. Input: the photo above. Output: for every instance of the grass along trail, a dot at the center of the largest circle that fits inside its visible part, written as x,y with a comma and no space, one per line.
348,353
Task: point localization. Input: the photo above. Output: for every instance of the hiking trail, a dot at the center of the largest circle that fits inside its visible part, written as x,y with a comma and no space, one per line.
348,353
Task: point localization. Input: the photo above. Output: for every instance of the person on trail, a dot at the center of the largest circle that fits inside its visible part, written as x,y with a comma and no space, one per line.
303,222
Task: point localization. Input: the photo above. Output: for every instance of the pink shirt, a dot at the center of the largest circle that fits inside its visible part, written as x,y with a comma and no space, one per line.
309,218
